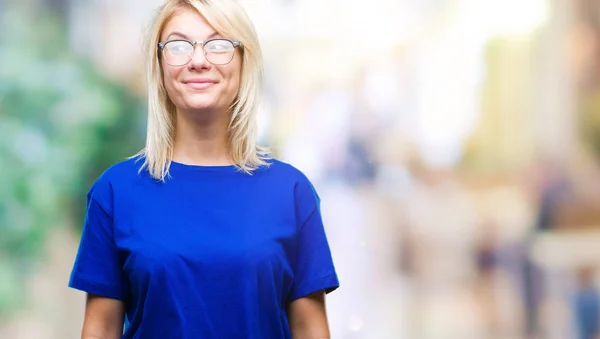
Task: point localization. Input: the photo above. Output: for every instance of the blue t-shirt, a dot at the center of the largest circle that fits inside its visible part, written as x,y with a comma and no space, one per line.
211,252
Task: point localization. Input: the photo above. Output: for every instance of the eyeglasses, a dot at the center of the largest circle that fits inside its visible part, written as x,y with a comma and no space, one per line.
217,51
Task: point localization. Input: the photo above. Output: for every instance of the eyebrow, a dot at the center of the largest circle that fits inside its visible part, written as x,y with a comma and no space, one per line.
212,35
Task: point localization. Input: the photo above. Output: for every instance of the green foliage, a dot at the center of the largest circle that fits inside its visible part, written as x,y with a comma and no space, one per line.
62,122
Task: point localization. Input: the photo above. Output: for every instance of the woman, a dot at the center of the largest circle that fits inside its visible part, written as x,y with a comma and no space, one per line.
201,235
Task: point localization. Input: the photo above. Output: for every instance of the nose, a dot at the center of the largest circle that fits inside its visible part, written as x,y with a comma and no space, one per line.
199,59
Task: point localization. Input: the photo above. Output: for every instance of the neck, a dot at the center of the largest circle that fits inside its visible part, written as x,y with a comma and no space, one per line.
201,141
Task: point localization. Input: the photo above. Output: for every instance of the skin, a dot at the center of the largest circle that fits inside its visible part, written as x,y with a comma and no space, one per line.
308,317
201,139
103,318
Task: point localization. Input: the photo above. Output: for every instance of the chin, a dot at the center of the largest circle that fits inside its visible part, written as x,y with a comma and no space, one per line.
196,108
201,103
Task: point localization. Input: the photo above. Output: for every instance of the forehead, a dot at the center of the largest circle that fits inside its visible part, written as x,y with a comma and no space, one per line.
188,22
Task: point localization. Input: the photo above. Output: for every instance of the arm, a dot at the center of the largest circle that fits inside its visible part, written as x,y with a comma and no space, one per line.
308,317
103,318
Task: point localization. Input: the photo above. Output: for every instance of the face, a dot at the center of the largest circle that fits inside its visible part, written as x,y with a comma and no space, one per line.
199,85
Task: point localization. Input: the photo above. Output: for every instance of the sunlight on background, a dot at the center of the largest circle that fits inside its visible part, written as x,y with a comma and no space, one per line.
512,17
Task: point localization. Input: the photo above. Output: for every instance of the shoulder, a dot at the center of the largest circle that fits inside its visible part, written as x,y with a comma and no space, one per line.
117,176
285,172
287,176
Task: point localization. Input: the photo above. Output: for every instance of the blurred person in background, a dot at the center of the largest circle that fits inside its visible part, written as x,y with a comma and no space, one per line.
201,234
587,305
552,190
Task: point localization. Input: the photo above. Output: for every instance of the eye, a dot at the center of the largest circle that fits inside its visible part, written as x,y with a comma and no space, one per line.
178,47
219,46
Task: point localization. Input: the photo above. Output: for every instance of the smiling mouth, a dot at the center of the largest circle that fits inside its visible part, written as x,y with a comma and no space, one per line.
199,85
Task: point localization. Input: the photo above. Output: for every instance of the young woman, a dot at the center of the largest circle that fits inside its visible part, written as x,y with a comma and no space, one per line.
201,235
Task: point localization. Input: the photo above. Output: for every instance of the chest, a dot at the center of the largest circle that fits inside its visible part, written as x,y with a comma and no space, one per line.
209,236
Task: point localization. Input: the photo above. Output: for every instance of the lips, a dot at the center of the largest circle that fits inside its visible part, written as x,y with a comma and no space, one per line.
199,83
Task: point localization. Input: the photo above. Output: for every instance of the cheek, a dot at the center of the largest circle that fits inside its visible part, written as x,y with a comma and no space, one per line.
230,93
169,79
235,82
235,76
168,75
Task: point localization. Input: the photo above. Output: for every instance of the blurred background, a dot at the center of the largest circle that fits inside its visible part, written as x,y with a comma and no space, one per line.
455,145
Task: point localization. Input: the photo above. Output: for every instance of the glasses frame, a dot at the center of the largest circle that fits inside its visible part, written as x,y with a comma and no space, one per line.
235,43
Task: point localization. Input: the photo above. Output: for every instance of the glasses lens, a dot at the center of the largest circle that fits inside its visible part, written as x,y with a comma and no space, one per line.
178,53
219,52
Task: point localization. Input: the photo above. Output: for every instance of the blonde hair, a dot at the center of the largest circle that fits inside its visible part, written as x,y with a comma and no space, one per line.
229,19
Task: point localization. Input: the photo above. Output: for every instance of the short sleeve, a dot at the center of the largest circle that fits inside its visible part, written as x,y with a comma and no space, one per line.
97,267
314,269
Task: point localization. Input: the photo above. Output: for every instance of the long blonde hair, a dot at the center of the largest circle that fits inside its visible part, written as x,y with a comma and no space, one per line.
228,18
